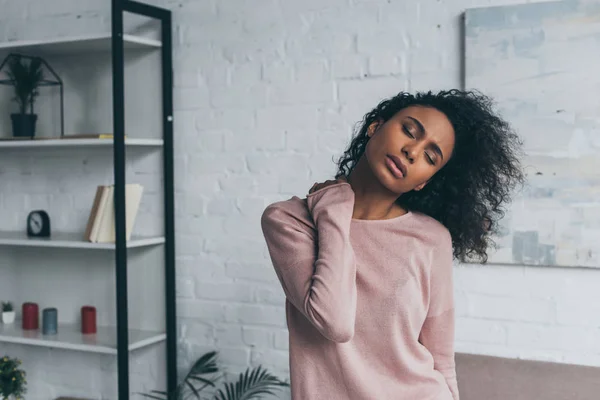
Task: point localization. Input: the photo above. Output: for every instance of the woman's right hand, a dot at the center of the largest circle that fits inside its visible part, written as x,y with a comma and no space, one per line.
329,182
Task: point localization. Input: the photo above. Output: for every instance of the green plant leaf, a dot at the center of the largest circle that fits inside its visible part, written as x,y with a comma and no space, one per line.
250,385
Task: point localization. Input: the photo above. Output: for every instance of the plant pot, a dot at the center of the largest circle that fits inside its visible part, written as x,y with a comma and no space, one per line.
23,125
8,317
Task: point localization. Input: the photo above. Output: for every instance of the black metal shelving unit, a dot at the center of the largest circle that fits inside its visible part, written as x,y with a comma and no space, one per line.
119,8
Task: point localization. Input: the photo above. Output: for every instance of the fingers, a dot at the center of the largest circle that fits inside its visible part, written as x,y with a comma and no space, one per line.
316,186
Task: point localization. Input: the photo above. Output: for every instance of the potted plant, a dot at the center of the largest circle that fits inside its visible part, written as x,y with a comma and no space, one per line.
8,313
251,385
13,383
26,74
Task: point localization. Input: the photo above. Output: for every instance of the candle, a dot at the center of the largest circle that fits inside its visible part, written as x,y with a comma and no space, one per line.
49,321
88,320
30,313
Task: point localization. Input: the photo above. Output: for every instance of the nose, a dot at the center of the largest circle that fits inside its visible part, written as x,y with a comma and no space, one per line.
409,154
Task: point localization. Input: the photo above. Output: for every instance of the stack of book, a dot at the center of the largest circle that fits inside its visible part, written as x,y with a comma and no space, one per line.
101,222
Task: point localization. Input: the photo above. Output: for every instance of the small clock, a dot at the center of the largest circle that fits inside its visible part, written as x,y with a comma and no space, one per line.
38,224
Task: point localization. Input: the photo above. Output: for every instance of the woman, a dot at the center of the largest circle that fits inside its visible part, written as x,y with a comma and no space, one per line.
365,260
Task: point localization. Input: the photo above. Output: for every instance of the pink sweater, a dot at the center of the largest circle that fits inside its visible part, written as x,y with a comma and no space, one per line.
369,303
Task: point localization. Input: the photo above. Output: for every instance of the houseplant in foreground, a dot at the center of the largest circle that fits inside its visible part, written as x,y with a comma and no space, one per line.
252,384
12,379
8,313
26,74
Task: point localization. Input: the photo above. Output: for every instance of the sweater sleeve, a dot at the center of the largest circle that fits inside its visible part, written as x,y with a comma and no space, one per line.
437,333
318,275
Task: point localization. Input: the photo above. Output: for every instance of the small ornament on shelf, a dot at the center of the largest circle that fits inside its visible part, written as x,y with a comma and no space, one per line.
50,321
8,313
27,74
30,312
38,224
88,320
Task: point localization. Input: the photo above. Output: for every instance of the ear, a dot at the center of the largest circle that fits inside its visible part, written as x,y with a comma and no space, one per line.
421,186
373,127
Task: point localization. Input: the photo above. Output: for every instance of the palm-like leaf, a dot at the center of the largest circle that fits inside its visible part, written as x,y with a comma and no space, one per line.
26,79
250,385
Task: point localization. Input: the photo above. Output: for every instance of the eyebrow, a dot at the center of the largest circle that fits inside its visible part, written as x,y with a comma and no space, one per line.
421,128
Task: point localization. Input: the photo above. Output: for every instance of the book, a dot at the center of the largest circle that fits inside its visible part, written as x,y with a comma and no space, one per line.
101,223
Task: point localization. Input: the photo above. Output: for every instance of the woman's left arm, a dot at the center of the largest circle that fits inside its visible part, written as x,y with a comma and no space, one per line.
437,333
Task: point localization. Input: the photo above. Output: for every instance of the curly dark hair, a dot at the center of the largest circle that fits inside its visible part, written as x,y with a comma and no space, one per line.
469,193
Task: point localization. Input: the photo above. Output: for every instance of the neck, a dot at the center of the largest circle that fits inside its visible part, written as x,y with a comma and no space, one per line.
371,199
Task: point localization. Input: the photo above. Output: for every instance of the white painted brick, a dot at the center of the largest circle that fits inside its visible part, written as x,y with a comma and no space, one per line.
193,12
188,245
263,139
270,296
271,358
296,186
185,287
316,71
248,96
386,64
253,48
284,117
260,272
229,335
248,8
480,331
550,337
204,268
222,206
348,66
263,164
231,250
190,98
369,91
301,93
240,185
214,76
499,281
255,315
234,356
248,227
320,44
238,292
252,207
282,338
302,140
215,163
257,337
512,309
278,71
311,5
199,333
201,310
382,41
189,205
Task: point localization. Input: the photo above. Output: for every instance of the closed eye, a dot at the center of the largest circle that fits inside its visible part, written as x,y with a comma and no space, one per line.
431,160
407,131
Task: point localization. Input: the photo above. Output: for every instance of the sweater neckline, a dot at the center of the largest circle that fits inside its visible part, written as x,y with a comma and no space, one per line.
382,221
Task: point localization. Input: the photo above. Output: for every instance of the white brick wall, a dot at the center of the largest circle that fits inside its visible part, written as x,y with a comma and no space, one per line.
266,93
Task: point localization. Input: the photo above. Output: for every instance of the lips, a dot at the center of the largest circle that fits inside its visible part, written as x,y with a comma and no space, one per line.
398,163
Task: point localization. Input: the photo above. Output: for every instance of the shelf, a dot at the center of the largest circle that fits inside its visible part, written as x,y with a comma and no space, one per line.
71,241
69,337
47,143
77,44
